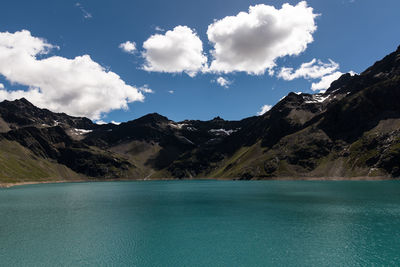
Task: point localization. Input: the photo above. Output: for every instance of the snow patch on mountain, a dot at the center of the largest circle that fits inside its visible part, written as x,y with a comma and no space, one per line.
82,131
318,98
222,131
178,126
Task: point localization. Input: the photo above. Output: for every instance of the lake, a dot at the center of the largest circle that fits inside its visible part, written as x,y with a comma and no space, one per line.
201,223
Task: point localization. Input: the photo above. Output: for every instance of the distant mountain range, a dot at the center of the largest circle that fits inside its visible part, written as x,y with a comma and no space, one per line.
351,130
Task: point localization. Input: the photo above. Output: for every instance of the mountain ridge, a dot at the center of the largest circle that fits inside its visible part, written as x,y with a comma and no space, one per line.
351,130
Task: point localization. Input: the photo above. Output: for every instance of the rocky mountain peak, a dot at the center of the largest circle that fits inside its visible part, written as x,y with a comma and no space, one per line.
19,104
218,118
21,113
152,118
24,101
343,80
388,67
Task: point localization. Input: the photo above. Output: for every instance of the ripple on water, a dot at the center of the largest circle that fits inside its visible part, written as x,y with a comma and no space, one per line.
191,223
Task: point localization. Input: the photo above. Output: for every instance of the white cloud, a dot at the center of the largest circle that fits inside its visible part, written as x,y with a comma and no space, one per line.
178,50
223,82
311,70
145,89
128,47
264,109
251,42
78,86
171,91
326,81
101,122
85,14
315,69
1,86
159,29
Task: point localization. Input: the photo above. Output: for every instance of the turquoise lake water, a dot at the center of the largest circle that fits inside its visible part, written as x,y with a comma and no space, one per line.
201,223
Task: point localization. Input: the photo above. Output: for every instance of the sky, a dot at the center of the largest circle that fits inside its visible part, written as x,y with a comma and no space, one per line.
114,61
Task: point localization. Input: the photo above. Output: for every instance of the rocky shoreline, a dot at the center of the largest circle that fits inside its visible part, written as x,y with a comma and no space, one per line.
9,185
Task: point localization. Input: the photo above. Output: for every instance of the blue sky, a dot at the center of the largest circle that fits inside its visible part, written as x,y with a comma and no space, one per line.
353,34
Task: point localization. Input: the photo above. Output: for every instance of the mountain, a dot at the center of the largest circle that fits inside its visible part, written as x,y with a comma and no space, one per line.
351,130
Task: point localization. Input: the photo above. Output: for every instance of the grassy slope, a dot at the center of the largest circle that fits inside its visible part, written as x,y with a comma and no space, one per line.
257,160
139,153
19,164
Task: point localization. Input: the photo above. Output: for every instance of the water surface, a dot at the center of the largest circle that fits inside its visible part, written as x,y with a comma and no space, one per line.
201,223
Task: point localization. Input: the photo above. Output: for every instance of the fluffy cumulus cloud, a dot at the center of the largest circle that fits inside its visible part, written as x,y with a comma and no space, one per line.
264,109
252,41
178,50
128,47
311,70
326,81
77,86
223,82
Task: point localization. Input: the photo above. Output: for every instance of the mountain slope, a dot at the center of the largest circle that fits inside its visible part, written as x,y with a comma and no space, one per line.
354,133
351,130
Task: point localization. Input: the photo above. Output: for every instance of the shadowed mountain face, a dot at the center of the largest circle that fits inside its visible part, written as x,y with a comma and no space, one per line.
353,129
21,113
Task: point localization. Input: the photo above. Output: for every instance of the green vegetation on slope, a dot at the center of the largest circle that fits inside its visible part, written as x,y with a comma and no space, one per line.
18,164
